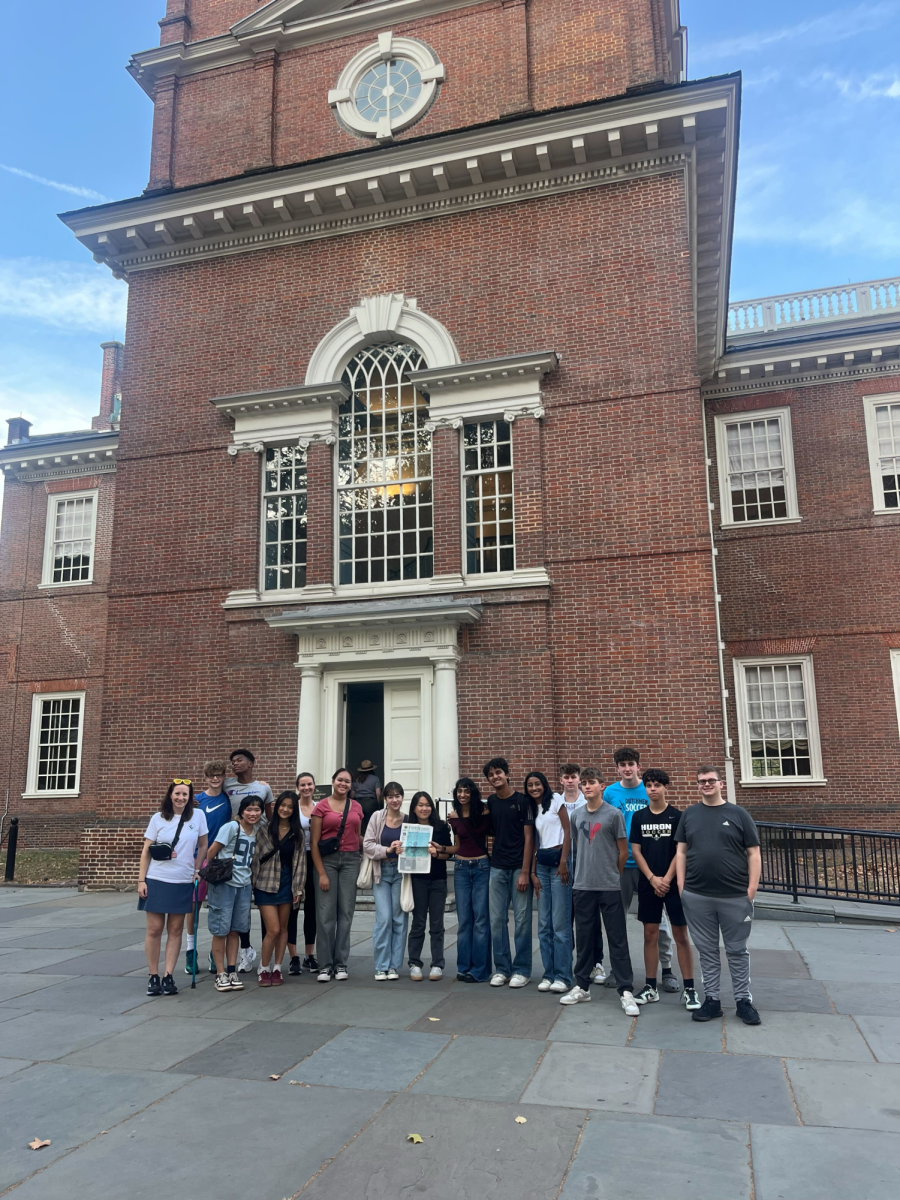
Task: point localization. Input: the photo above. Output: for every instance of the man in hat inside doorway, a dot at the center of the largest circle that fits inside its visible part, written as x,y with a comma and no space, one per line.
367,791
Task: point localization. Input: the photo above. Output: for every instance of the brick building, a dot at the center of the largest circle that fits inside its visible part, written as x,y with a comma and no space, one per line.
430,390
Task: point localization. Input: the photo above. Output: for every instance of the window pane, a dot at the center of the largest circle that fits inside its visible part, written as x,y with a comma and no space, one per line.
756,471
777,720
390,488
72,541
284,505
489,497
57,763
887,428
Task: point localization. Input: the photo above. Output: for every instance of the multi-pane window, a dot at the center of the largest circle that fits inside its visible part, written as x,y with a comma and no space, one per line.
55,749
883,421
487,469
69,553
385,514
779,738
756,468
284,518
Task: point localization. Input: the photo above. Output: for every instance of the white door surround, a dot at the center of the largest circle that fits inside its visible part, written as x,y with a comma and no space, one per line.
405,641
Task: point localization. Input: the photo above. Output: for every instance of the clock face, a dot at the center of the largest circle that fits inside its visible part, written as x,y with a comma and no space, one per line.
388,89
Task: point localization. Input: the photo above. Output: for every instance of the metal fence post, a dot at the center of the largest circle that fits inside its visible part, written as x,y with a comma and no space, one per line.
792,866
12,839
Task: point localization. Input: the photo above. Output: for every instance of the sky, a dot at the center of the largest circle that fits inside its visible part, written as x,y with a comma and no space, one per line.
818,199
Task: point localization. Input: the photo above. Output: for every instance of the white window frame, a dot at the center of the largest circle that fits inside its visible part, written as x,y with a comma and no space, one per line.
722,421
34,742
53,500
805,661
870,403
475,576
276,592
895,671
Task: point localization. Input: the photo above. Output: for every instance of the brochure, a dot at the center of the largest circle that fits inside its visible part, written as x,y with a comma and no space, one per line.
414,858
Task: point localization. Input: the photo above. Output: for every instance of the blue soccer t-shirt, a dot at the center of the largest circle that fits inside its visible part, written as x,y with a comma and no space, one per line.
628,801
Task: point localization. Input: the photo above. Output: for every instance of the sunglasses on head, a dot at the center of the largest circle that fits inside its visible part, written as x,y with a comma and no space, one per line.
181,781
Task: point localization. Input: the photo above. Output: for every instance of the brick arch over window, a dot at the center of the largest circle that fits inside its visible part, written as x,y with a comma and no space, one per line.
394,316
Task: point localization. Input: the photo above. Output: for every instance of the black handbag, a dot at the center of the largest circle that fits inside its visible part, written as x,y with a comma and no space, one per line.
162,851
550,857
219,870
333,844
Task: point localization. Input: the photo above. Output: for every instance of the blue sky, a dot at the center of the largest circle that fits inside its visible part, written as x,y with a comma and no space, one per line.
818,191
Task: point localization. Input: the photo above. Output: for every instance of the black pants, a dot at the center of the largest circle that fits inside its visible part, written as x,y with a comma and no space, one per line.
589,908
429,896
309,909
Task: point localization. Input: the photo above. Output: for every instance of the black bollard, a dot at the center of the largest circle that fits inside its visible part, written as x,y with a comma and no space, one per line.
12,839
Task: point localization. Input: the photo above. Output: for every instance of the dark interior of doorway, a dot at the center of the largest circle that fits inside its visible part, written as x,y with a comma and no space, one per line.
365,725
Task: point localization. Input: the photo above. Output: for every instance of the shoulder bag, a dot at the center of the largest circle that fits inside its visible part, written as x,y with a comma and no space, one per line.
218,869
333,844
162,851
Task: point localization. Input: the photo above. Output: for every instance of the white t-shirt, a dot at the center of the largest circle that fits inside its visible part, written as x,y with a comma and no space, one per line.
180,867
304,825
570,805
548,825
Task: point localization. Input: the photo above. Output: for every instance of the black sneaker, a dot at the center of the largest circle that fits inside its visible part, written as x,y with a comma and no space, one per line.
748,1013
647,995
153,986
168,986
708,1010
465,977
310,963
294,967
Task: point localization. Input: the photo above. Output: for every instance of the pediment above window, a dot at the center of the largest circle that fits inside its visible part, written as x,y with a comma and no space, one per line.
285,12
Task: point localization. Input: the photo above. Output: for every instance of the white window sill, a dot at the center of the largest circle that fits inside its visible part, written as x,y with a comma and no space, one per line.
50,795
886,512
756,524
774,781
74,584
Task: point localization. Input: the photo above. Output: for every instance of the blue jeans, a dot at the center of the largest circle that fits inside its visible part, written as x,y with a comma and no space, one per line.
473,934
389,934
555,925
503,892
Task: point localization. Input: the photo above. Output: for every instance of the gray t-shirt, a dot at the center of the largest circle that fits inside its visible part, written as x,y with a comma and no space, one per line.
717,837
237,791
595,836
238,845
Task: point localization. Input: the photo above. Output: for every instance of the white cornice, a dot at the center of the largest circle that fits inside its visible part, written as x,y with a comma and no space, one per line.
60,459
300,414
507,387
822,360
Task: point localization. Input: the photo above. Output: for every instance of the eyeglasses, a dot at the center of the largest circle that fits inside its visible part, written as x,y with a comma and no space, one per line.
181,781
708,782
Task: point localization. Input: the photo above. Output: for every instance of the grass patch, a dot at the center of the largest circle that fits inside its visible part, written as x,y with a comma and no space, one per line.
43,866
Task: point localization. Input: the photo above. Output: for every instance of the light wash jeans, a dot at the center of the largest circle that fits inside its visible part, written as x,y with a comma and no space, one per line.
503,893
389,934
473,933
555,924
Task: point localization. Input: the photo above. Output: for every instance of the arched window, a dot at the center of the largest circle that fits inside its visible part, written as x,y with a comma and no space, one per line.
385,521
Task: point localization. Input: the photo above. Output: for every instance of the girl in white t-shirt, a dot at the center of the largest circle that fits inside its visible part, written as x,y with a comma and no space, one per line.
550,876
174,846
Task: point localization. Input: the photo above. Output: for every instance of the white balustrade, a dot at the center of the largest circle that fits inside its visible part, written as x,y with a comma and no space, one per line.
849,302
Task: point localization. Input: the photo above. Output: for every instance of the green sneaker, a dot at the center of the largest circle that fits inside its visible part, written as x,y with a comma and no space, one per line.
190,964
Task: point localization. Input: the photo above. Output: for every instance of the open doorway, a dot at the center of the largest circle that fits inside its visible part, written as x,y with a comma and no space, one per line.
365,725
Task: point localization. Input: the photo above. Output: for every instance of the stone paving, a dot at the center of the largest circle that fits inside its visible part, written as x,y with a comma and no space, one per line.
143,1097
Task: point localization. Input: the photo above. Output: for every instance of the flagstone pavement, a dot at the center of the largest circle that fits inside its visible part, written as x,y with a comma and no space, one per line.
313,1089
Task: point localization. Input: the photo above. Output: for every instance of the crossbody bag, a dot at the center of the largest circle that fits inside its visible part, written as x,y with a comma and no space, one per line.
218,869
162,851
333,844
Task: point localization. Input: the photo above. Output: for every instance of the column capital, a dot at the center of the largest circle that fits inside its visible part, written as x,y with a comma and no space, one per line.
446,662
310,670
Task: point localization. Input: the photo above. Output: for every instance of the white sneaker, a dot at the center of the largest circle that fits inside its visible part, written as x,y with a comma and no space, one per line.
545,985
518,981
246,959
323,977
235,983
499,979
415,973
435,973
222,982
392,974
598,974
576,996
630,1005
558,986
341,973
381,976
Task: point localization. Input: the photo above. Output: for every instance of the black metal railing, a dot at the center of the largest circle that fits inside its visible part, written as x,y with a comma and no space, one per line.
840,864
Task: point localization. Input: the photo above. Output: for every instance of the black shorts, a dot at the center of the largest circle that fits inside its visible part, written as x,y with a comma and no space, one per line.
650,906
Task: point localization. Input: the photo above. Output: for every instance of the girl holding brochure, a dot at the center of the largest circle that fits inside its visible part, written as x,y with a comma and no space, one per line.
429,889
382,845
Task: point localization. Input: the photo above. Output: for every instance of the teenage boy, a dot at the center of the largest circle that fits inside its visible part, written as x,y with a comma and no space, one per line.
239,785
653,848
598,830
629,795
573,797
213,803
510,876
228,903
718,865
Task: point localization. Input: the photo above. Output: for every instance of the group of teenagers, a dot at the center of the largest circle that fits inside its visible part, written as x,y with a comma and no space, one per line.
583,852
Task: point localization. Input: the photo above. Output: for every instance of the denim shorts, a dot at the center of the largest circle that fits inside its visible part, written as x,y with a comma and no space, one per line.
228,908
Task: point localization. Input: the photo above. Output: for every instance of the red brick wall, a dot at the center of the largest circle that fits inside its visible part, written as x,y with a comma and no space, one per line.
209,18
827,584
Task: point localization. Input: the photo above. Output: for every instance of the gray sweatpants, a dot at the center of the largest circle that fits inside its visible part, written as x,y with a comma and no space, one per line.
733,915
628,882
335,908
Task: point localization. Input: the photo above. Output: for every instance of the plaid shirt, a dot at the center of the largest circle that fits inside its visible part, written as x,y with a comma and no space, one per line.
267,875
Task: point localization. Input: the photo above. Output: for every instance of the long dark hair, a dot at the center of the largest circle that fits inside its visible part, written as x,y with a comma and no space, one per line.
476,804
412,817
294,830
547,798
167,808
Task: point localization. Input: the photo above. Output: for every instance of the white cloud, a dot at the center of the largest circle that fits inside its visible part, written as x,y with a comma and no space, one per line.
877,86
830,27
848,221
66,295
85,193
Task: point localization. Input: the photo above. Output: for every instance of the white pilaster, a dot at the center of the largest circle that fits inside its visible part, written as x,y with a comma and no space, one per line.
309,729
446,726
